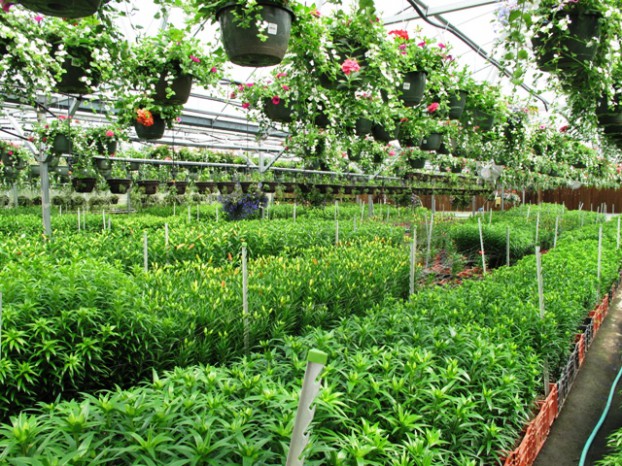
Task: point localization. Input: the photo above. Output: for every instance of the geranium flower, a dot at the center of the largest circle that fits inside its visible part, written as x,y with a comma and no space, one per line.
250,84
144,117
401,33
442,46
315,12
350,66
214,70
421,44
285,87
195,59
276,100
6,6
433,107
110,133
246,105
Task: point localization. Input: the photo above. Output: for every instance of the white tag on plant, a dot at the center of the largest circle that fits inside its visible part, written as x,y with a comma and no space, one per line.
273,29
406,86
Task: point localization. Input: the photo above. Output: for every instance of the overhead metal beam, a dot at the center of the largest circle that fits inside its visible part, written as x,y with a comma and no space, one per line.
439,10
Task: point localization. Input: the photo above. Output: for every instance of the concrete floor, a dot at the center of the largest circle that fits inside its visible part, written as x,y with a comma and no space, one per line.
587,399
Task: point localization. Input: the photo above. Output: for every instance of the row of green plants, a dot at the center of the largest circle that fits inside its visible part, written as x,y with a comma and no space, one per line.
456,390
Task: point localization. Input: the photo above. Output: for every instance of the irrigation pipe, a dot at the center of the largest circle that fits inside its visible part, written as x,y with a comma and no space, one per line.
603,416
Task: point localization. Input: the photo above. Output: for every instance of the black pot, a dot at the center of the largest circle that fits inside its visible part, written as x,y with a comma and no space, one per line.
363,126
411,90
280,112
119,185
606,116
381,134
321,120
483,120
457,102
416,163
71,82
103,164
242,45
155,131
447,147
61,144
576,47
83,185
432,141
63,9
149,187
133,166
109,149
181,87
179,186
203,186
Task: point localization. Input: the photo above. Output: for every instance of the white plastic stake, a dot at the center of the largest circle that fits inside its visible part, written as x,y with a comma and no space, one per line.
218,214
336,232
104,219
336,210
166,235
388,212
0,325
490,217
507,244
109,224
556,231
528,211
618,236
84,220
245,296
370,201
174,209
600,252
198,212
145,252
481,244
537,228
80,221
354,223
413,260
429,245
541,304
362,212
316,360
295,205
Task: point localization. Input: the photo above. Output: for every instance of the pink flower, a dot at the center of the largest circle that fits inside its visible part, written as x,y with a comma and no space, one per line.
195,59
391,153
350,66
276,100
214,70
402,47
442,46
401,33
433,107
178,120
449,58
240,87
233,95
110,133
282,74
6,6
285,87
246,105
563,129
315,12
421,44
62,117
542,126
38,19
250,84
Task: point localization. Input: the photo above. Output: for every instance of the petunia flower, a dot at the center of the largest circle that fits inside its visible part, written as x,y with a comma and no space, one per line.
433,107
276,100
246,105
282,74
38,19
442,46
285,87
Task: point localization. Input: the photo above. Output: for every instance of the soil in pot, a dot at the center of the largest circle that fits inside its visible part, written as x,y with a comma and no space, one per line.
244,47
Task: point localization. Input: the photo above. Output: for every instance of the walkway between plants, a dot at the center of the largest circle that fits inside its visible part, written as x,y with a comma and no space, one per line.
587,399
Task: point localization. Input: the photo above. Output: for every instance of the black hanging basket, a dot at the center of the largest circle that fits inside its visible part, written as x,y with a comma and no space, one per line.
242,45
155,131
457,102
432,141
63,8
363,126
83,185
204,186
119,185
178,186
61,144
72,80
416,163
571,49
106,149
484,121
381,134
607,116
102,164
149,187
277,112
181,86
411,90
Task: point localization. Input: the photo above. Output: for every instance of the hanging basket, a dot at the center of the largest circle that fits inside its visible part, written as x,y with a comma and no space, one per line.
83,185
279,112
482,120
103,164
411,90
72,80
61,144
204,186
573,49
155,131
181,87
381,134
244,47
457,102
606,116
363,126
432,141
149,187
106,149
63,8
178,186
35,171
416,163
119,185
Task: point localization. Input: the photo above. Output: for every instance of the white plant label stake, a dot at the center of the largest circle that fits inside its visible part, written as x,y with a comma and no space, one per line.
556,231
600,252
198,214
362,212
336,210
104,219
528,211
618,235
109,224
541,305
294,212
0,326
481,244
336,232
429,245
145,252
80,222
316,360
245,296
354,223
174,209
537,227
413,261
507,244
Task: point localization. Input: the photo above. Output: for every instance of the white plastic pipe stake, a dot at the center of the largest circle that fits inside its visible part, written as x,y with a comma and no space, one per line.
362,212
556,231
245,296
507,244
166,235
429,245
528,211
174,209
481,244
618,236
294,211
109,224
336,232
413,260
336,210
354,223
545,371
218,214
600,253
145,252
80,221
490,218
0,325
537,227
104,219
316,360
198,212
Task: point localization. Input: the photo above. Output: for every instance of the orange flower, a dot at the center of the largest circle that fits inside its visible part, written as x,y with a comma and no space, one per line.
144,117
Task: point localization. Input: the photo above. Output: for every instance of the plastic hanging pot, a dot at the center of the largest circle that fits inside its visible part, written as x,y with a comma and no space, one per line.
106,149
432,141
416,163
72,80
571,49
63,8
149,187
181,86
457,102
277,112
103,164
607,116
483,120
244,47
178,186
411,90
362,126
381,134
155,131
61,144
119,185
35,171
83,185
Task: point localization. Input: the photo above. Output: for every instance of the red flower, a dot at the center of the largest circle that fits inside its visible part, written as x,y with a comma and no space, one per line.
350,66
564,128
285,87
214,70
433,107
276,100
315,12
110,133
401,33
442,46
245,105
